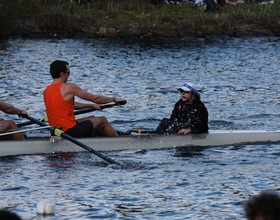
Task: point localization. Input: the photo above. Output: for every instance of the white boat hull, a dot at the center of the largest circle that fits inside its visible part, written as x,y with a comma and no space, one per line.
140,142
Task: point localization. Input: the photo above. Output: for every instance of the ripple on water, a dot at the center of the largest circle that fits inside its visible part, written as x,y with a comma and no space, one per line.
238,79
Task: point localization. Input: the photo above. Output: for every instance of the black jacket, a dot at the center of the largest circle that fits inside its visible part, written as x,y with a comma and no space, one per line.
191,115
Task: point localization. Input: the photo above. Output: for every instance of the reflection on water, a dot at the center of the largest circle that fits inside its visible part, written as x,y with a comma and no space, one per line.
238,79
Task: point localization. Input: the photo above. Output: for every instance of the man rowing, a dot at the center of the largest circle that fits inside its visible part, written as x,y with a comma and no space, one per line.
9,125
59,98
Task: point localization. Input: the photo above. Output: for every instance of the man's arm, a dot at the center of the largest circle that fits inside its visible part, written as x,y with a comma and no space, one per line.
74,90
10,109
79,105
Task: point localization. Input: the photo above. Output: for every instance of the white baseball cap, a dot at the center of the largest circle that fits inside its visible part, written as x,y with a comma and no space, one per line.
188,87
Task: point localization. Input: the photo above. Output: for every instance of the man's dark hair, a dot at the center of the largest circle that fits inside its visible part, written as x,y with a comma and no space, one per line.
266,205
7,215
57,67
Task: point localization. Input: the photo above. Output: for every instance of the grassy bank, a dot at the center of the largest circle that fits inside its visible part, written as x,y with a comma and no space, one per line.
134,18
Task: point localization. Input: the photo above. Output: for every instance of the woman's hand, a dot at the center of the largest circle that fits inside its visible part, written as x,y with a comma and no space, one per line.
185,131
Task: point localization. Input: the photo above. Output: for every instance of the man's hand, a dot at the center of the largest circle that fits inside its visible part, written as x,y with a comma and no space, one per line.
96,106
23,112
120,101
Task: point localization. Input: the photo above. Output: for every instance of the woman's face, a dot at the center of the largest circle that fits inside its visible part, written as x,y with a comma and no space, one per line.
185,95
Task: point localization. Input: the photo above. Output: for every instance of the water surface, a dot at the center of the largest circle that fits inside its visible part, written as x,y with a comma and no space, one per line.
238,79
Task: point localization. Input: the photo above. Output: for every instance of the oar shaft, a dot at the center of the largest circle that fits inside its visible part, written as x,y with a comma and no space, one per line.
97,153
73,140
25,123
26,130
78,112
86,110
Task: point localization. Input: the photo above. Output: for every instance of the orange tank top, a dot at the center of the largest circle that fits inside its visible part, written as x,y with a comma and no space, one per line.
59,111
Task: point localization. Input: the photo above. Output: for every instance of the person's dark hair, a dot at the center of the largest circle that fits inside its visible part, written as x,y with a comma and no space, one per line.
265,205
57,67
8,215
196,96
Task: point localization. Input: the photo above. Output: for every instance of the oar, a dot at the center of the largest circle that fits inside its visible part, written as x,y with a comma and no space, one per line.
78,112
139,131
60,133
26,130
86,110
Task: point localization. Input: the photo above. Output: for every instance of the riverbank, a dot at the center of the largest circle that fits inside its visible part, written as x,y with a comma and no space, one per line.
134,18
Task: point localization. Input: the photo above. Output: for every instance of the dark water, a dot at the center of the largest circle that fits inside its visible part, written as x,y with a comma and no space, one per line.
239,82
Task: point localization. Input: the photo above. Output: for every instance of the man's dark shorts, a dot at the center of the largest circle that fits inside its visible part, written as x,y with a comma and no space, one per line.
82,129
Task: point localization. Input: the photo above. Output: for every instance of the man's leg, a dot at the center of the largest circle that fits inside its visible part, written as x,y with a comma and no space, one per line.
10,126
101,125
163,125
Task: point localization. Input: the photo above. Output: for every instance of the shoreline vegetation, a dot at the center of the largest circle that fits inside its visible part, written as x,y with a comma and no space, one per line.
134,19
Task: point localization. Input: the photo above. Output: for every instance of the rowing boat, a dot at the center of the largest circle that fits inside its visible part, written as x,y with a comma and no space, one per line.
47,145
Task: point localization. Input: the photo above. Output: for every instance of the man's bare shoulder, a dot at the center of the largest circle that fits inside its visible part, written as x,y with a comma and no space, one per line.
70,85
70,88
